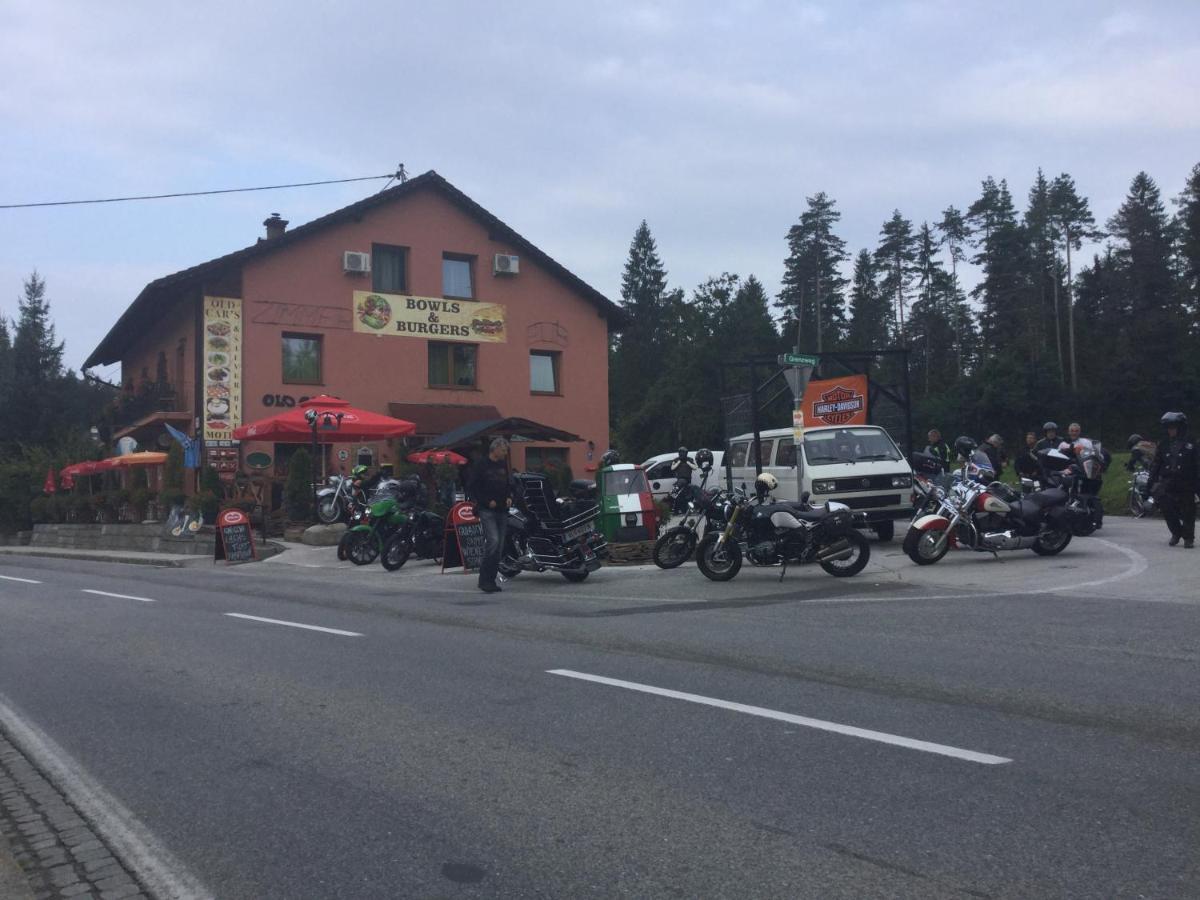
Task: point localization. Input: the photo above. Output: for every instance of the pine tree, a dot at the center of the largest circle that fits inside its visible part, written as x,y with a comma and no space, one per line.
1074,222
36,365
5,368
1002,292
895,257
1042,234
1188,230
812,281
955,234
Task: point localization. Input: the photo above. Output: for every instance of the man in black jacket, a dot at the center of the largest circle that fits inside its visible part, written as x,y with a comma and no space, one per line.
1051,439
1176,470
489,489
1027,463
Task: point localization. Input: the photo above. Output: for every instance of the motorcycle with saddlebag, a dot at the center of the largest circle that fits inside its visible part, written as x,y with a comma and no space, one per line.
547,533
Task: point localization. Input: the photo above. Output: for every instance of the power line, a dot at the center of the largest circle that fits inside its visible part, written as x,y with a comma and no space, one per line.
271,187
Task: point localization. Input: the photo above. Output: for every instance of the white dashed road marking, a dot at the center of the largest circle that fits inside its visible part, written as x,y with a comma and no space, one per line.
820,724
118,596
295,625
24,580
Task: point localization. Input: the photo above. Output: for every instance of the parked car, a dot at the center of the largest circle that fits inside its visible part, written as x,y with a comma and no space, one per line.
858,465
658,473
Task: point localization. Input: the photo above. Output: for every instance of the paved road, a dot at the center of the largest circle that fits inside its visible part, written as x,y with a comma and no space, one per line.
978,728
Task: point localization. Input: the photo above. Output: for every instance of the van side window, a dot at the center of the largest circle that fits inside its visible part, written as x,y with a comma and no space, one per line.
764,450
786,454
737,453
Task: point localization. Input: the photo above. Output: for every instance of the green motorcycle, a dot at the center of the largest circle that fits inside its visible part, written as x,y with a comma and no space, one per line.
363,543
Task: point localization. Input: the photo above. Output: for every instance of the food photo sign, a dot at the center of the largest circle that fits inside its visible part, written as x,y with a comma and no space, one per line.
400,315
222,360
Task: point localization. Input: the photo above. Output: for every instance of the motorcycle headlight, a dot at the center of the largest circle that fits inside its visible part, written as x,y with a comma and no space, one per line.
900,481
824,487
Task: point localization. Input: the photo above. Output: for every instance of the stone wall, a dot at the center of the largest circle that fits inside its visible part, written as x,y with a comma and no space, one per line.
142,538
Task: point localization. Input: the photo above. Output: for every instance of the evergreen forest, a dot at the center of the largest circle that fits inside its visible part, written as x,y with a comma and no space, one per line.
1006,325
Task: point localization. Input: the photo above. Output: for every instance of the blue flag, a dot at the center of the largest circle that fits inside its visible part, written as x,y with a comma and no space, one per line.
191,447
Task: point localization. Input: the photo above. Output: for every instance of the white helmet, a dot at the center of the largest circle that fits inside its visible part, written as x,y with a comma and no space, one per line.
765,483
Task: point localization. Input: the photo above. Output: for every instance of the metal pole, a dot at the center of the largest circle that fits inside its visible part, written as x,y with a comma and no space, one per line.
907,408
312,468
725,427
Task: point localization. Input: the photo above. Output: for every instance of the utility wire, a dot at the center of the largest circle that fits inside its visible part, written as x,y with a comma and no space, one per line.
271,187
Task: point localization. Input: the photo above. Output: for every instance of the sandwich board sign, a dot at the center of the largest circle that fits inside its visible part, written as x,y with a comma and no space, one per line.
463,543
235,540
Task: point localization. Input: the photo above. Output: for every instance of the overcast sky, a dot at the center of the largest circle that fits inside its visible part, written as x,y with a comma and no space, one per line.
570,121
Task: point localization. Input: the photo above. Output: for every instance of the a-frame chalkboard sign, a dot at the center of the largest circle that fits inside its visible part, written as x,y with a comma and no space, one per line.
235,539
463,541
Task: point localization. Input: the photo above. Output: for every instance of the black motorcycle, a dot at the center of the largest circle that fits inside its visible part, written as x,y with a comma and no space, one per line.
421,536
771,534
675,545
547,533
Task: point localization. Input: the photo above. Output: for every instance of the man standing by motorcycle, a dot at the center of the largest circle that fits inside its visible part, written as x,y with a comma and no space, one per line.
938,448
994,448
1141,453
1050,440
1027,463
681,470
1175,469
489,490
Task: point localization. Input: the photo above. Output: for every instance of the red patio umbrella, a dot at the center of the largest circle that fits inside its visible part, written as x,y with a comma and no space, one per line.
89,467
336,422
437,456
48,486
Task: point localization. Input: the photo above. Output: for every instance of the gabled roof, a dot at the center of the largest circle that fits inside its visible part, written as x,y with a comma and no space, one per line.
512,428
145,309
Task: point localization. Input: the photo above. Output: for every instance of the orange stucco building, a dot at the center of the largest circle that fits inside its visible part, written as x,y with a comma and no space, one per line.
414,302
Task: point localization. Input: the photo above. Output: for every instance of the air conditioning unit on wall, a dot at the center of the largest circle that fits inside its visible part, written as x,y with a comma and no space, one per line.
504,264
356,263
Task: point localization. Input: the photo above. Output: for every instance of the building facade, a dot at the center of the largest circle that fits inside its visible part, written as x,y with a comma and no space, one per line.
415,302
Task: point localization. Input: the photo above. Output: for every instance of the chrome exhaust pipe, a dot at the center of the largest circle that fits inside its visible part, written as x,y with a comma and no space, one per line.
836,552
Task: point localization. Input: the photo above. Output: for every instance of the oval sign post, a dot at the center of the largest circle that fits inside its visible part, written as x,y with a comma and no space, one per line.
235,539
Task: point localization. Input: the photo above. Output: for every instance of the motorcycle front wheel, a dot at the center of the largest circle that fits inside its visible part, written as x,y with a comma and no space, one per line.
1137,504
395,553
576,577
718,563
329,510
343,550
363,548
844,568
1052,542
674,547
926,547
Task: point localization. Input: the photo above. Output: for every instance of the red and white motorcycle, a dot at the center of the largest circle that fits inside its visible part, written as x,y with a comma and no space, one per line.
990,518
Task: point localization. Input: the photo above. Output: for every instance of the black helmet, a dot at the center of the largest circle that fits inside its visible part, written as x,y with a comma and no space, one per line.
1177,419
1050,426
704,459
1134,440
610,458
965,447
683,452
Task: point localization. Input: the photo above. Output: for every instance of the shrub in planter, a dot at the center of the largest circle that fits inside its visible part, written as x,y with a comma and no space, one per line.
139,499
40,510
171,497
206,505
80,508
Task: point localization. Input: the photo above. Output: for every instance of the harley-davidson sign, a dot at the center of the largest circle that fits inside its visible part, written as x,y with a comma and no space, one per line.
841,401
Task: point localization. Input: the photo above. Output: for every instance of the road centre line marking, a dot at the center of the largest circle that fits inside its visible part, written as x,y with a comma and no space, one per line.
15,578
118,596
820,724
295,625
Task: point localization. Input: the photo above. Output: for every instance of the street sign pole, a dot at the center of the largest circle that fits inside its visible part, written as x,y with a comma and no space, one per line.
799,370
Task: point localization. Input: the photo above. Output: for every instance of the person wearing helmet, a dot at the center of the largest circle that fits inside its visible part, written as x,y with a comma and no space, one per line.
1175,473
363,479
1049,439
1141,453
682,465
764,484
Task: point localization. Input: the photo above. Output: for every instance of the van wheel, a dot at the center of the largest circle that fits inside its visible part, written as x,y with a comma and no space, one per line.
885,531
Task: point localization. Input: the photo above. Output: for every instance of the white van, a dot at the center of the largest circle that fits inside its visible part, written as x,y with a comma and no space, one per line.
658,473
859,465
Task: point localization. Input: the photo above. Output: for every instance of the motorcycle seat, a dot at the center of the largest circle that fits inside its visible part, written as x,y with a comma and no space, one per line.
802,510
